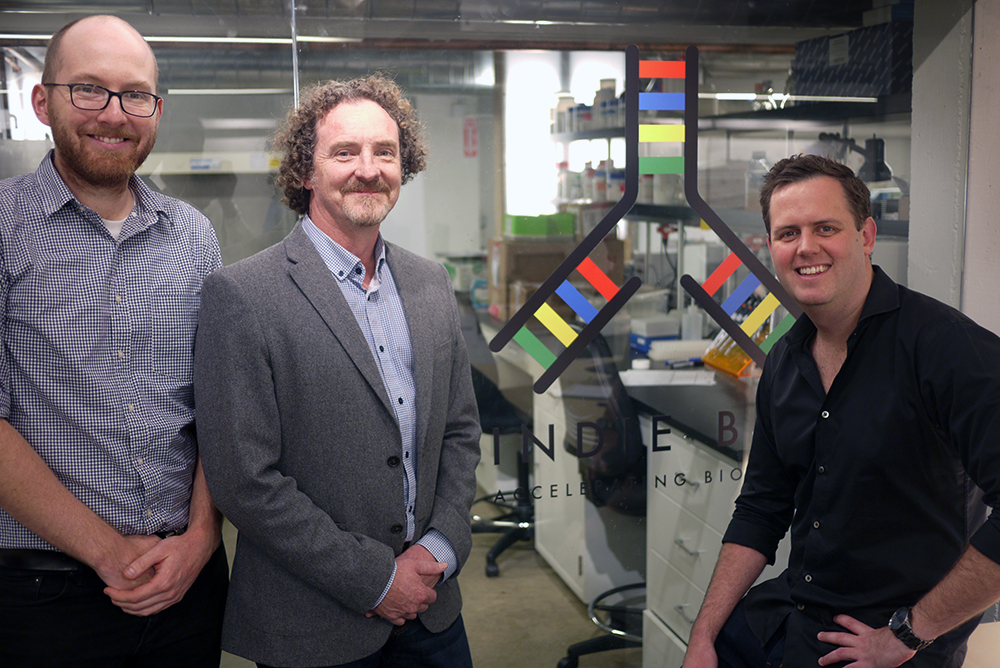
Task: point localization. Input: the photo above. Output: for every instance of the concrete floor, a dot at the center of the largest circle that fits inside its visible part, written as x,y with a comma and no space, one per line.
525,618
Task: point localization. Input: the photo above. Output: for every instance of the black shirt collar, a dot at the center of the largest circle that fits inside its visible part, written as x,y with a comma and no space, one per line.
883,297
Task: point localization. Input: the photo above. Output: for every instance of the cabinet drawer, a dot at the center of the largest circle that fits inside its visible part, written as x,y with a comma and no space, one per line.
687,542
702,483
661,648
673,597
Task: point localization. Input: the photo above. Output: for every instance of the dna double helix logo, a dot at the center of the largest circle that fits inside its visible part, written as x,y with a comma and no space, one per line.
577,261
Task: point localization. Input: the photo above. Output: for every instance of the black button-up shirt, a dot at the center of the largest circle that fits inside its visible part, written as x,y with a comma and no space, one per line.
874,477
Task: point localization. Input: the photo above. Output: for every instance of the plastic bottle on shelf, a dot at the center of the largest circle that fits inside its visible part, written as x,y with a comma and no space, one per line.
562,192
588,181
645,195
616,184
604,94
601,182
563,108
611,120
756,171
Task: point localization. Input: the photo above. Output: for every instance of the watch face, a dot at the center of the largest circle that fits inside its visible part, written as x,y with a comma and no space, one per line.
898,619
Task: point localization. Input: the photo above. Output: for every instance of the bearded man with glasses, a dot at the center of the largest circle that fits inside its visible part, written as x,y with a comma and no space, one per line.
110,546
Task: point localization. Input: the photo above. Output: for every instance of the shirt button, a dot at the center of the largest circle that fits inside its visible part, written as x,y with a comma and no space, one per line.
822,469
393,461
131,408
397,528
381,349
825,414
120,354
400,401
149,512
118,298
139,461
809,578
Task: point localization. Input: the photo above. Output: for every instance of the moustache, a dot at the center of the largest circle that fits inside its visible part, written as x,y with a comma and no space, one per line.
356,185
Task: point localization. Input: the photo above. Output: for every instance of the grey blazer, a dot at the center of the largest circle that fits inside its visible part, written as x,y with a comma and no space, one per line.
301,450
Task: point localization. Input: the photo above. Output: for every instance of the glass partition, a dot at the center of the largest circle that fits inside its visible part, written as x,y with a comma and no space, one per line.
623,470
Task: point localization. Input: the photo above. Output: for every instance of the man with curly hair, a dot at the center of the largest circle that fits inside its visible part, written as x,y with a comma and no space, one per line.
337,419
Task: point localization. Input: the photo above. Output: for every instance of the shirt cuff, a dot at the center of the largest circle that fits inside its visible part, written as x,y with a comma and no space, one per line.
387,587
440,548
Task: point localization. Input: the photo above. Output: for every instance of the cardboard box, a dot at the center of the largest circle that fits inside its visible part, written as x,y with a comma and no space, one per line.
531,261
518,268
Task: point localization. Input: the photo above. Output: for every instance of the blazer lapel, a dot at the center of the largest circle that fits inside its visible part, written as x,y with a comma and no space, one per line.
409,286
312,276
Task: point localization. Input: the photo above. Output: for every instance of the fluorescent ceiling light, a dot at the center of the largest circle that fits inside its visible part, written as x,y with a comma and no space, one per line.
208,40
753,97
229,91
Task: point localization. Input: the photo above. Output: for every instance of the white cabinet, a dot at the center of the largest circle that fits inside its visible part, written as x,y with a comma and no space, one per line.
692,491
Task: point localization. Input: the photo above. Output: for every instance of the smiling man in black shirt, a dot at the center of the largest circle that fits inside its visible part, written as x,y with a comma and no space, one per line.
877,439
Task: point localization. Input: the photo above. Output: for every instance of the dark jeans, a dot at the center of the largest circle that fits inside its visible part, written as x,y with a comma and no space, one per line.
738,647
65,620
413,646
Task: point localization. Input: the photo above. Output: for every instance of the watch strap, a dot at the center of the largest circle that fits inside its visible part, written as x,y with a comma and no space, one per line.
901,627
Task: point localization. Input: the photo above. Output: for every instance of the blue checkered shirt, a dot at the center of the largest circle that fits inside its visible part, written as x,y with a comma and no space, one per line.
380,315
98,334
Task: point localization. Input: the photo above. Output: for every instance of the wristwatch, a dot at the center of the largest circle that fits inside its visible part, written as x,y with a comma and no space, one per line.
900,626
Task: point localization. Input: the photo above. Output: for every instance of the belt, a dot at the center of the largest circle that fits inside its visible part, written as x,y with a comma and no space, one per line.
38,560
49,560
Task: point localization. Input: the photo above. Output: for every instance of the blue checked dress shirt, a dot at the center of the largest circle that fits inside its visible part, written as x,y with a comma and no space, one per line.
379,313
98,335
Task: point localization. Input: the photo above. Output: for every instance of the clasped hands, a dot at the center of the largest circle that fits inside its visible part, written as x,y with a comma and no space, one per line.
412,590
147,574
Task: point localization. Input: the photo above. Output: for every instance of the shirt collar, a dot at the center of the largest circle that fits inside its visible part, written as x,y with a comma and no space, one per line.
883,296
341,262
56,194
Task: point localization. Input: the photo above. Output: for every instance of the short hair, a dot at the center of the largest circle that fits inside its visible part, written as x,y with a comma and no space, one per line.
296,137
53,51
804,167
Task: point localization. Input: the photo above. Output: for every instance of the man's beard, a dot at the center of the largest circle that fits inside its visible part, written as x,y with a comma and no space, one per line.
100,168
367,210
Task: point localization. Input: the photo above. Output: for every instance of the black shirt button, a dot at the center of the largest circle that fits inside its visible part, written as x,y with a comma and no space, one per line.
397,528
393,461
401,401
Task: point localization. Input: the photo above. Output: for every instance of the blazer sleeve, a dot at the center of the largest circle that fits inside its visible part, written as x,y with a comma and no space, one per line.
240,440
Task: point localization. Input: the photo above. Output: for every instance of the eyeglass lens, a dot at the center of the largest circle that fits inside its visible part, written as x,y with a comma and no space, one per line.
133,102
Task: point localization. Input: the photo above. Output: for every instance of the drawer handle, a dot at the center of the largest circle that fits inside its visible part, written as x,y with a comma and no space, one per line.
679,542
680,611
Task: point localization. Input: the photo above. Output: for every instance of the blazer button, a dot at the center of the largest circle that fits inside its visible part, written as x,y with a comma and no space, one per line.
393,461
397,528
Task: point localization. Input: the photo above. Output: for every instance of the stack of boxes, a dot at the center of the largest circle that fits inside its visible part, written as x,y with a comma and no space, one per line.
531,248
873,61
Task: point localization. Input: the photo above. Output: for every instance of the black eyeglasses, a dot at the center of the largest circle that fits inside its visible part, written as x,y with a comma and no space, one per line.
91,97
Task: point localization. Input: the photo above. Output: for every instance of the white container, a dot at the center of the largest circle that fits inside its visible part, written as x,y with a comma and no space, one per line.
588,181
645,195
601,185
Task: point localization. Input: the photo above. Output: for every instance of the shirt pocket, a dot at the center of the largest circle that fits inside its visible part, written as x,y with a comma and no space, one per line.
174,319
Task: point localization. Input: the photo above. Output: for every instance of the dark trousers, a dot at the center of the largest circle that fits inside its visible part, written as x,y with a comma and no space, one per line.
738,647
413,646
65,620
